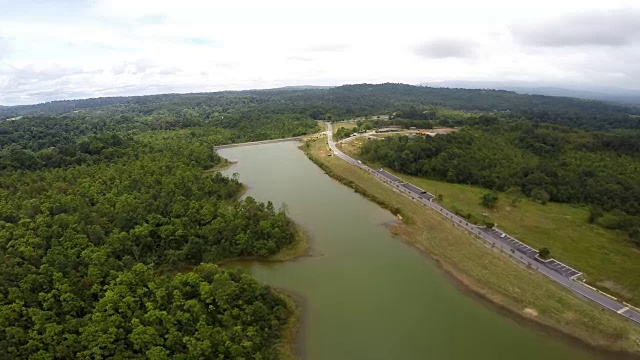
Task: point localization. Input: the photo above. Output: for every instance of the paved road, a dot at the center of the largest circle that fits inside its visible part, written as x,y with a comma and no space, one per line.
560,273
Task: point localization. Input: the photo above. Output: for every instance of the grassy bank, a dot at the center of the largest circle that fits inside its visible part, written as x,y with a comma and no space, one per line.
300,247
223,165
488,273
285,348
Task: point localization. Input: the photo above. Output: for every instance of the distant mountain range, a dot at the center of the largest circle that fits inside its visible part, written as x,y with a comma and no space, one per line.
350,101
302,87
611,94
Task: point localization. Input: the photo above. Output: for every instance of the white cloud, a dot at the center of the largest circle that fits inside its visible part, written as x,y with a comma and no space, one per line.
76,48
446,48
617,27
329,47
4,48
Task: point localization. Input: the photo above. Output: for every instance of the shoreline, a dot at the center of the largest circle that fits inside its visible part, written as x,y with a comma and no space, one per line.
290,345
224,165
601,343
300,248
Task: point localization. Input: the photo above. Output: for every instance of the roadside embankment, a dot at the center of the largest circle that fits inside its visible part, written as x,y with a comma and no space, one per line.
488,274
355,186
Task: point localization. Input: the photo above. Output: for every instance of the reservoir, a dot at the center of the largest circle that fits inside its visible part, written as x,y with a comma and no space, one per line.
366,294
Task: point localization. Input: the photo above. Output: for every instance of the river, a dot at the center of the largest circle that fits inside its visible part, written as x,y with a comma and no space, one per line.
366,294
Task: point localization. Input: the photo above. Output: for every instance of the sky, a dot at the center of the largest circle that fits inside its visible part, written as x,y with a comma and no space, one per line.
69,49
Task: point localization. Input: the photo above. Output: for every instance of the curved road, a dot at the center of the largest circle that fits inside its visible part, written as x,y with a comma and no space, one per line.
556,271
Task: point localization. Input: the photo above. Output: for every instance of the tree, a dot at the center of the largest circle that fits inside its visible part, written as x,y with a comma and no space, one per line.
544,252
514,194
595,213
615,219
540,195
634,235
342,133
489,200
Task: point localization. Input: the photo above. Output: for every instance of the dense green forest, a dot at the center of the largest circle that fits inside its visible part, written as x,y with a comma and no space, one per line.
350,101
96,210
542,161
48,142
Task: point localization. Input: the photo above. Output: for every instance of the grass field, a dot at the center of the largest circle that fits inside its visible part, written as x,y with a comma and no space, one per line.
607,260
492,275
346,125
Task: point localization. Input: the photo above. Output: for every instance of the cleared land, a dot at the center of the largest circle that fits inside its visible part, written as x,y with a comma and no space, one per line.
489,274
346,125
373,117
607,260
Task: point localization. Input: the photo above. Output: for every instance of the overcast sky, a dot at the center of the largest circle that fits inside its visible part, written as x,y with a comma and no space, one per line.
65,49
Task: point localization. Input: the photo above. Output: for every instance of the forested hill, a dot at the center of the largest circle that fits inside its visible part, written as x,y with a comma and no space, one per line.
356,100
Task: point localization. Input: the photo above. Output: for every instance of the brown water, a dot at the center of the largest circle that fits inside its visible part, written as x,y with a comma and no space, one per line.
366,294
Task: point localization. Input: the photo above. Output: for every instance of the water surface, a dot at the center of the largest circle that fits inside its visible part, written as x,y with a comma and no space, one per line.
366,294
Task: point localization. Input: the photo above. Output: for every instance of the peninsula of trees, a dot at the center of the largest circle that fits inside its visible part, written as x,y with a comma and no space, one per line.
99,215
